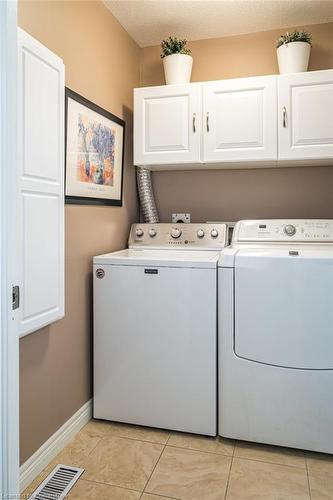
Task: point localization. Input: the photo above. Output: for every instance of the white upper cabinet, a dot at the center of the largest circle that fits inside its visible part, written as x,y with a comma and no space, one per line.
306,115
245,122
167,124
41,189
240,120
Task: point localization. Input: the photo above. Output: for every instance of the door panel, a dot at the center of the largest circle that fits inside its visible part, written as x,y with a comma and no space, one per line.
167,124
155,347
163,132
41,193
240,119
237,133
284,310
41,118
40,255
305,115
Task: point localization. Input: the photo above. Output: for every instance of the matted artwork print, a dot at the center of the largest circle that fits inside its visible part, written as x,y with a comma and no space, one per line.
94,153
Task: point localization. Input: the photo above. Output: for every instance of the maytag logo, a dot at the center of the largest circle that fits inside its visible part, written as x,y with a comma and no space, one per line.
151,271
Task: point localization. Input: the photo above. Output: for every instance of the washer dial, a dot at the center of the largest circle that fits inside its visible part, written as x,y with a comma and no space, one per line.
175,232
289,230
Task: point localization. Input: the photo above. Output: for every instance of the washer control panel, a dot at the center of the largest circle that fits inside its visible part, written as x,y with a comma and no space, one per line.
300,230
206,236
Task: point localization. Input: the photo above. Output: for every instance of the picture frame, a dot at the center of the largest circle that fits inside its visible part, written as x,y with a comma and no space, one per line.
94,153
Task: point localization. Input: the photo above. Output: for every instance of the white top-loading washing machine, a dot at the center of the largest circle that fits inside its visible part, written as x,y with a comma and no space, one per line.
155,328
276,334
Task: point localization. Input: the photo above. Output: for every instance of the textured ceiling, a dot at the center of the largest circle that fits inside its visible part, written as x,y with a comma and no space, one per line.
149,21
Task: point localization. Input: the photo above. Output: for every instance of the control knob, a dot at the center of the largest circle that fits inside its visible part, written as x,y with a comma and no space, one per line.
152,232
175,232
289,230
200,233
214,233
139,232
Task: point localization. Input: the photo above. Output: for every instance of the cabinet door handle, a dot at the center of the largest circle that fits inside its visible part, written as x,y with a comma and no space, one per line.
207,121
193,123
284,117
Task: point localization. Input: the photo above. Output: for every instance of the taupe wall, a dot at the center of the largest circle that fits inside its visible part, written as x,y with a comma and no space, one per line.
102,64
235,194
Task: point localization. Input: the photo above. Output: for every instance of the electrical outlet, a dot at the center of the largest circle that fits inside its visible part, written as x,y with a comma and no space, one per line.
185,218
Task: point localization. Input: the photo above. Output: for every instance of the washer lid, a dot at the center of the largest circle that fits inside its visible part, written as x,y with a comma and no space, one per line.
284,307
160,258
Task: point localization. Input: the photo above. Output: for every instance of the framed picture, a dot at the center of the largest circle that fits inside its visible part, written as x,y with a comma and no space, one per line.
94,153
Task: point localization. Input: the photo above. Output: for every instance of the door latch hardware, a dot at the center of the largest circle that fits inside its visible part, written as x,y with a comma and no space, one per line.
15,297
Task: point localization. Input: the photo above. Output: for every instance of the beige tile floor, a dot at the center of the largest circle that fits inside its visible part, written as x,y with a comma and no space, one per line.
125,462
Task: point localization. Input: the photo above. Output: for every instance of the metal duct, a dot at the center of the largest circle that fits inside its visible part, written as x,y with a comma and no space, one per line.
146,195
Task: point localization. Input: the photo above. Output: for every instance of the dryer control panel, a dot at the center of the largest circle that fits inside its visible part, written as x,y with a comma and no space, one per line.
300,230
197,236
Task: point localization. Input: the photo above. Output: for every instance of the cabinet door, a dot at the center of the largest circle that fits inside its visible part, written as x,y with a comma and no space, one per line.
240,120
306,115
41,192
167,124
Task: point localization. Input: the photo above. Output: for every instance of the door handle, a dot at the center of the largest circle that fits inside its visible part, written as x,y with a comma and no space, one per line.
193,123
284,117
207,121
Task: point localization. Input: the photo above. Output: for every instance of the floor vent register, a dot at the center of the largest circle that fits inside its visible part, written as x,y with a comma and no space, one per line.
58,483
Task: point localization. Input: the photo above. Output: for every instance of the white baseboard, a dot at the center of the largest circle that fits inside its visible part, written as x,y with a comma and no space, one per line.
48,451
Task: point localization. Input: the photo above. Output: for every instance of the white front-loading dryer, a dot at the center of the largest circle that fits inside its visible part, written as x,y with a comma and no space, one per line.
155,328
276,334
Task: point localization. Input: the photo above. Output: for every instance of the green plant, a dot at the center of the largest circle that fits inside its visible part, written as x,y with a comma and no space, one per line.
294,36
174,45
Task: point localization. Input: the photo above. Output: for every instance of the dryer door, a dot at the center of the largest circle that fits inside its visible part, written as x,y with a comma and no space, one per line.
284,307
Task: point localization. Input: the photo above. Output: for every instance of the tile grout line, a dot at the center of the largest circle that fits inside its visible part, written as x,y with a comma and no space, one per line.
199,450
152,472
307,474
110,435
85,469
159,495
235,456
174,446
112,485
228,480
100,439
297,467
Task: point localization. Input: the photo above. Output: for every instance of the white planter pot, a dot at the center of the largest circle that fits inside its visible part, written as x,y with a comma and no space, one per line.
177,68
293,57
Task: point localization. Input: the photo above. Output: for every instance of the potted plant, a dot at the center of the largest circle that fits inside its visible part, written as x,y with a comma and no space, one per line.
293,51
177,61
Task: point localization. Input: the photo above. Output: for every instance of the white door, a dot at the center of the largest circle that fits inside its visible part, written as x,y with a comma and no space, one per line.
9,345
167,124
155,346
284,307
306,115
41,177
239,120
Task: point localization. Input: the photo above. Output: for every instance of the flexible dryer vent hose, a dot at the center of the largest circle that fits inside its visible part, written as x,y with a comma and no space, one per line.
146,195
